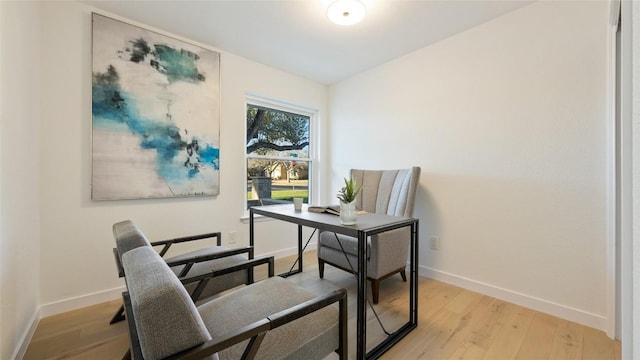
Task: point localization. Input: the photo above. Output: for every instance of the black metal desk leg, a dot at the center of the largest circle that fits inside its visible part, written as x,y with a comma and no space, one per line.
251,240
300,248
413,286
361,324
250,275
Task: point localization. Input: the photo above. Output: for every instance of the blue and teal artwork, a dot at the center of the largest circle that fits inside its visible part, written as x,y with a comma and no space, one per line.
156,118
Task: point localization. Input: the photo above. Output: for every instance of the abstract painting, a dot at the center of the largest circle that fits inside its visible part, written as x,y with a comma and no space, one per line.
156,115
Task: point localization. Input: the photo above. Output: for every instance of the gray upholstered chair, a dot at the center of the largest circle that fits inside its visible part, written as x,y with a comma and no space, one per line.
390,192
270,319
233,267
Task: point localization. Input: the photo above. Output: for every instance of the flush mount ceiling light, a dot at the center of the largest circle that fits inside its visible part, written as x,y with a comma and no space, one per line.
346,12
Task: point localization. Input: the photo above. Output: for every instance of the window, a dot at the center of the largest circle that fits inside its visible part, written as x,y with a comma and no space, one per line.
279,159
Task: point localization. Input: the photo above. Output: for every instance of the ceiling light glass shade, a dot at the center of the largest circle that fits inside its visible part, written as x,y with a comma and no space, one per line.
346,12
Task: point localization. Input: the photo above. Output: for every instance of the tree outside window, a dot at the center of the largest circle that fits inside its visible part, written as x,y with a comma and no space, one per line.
278,156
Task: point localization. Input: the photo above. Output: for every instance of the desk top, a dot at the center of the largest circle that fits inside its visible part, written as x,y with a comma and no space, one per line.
369,223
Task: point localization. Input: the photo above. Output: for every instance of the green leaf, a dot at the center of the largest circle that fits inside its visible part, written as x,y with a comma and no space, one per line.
349,191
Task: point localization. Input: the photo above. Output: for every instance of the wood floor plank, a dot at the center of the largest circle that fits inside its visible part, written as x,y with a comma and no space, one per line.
541,331
76,332
469,319
510,336
416,343
617,350
567,342
468,351
480,340
596,345
453,323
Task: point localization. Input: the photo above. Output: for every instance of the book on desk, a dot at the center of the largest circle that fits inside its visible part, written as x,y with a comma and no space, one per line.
330,209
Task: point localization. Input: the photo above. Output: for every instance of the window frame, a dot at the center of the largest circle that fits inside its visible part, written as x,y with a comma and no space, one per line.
312,159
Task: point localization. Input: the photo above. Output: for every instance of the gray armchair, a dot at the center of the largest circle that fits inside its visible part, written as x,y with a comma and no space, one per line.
232,267
269,319
390,192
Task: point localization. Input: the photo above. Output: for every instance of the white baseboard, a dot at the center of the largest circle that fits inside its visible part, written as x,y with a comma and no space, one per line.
568,313
80,301
25,340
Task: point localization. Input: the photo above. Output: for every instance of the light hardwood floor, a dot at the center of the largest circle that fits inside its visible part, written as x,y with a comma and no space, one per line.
453,324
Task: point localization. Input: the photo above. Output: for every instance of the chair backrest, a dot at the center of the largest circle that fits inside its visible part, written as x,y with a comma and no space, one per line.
128,237
390,192
166,320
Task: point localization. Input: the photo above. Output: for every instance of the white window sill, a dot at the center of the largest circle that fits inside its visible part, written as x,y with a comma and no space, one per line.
256,218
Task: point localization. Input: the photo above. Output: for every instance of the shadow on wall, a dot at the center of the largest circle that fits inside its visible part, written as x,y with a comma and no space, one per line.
426,209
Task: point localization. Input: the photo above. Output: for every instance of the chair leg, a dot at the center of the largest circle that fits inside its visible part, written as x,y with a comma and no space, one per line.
403,273
118,316
375,290
321,268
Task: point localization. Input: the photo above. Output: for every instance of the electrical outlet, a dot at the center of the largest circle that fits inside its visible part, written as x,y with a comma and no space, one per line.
435,243
232,237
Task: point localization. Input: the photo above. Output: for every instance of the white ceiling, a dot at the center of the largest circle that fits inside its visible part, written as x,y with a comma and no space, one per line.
296,36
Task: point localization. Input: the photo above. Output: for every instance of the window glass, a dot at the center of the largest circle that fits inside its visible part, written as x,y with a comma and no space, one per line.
278,147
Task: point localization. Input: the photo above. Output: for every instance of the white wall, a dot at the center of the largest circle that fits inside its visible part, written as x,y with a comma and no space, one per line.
77,264
511,141
508,122
630,243
635,314
19,166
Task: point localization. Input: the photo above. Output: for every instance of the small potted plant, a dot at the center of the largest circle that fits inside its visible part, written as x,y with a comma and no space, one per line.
347,196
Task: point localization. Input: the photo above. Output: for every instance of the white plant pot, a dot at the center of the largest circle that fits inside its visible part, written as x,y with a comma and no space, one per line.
348,213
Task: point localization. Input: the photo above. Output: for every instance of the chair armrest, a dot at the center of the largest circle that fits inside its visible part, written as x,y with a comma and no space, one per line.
203,279
389,251
167,243
218,255
190,261
257,330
